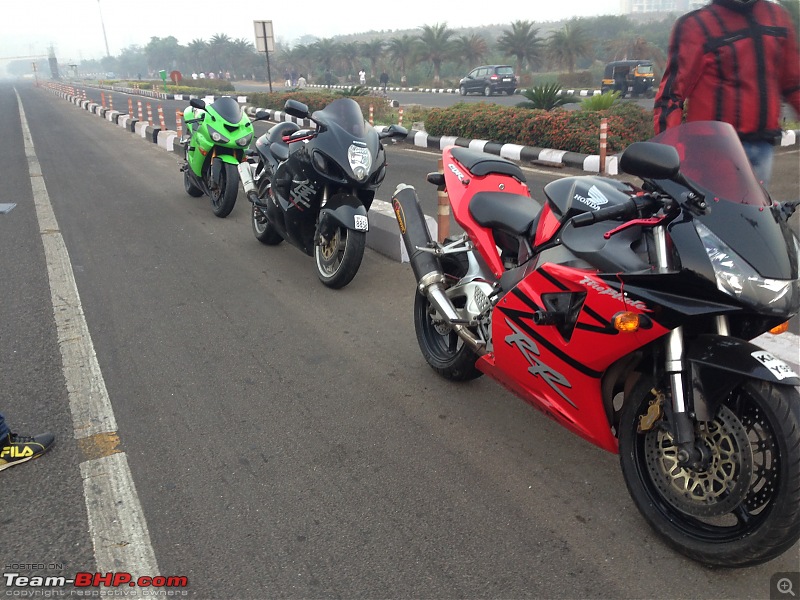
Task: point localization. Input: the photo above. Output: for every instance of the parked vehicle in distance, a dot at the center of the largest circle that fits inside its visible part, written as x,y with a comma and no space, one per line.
488,80
634,76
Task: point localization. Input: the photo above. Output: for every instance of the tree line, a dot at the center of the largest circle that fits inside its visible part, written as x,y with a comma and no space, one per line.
429,54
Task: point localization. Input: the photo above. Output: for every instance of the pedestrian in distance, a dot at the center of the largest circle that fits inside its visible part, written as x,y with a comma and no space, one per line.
301,82
733,61
362,77
384,80
16,449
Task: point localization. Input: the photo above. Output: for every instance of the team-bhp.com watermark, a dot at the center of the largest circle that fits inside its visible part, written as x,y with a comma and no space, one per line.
85,584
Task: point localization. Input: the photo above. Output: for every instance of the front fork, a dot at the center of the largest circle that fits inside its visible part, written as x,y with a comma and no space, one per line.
689,452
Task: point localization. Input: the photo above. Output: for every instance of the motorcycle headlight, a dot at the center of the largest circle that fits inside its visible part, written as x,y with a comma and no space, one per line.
360,161
737,278
244,141
217,136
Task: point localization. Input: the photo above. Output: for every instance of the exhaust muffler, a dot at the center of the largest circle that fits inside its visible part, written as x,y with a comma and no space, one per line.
425,264
248,184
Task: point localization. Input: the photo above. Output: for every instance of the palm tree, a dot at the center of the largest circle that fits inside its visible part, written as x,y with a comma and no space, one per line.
436,46
348,55
523,42
373,51
220,49
325,52
402,51
567,45
470,49
635,48
197,51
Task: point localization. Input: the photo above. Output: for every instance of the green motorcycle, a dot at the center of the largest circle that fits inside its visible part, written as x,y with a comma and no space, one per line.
218,136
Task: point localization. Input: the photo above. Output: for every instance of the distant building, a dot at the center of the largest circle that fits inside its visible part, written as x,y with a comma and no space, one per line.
628,7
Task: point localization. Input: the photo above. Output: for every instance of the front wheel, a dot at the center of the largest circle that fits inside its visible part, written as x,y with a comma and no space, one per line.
224,197
743,508
338,260
463,90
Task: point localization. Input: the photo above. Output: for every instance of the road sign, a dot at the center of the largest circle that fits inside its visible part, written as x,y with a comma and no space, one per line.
265,41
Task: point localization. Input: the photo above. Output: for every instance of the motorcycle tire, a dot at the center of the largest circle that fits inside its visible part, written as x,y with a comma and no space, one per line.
224,198
443,350
744,508
189,186
264,230
338,261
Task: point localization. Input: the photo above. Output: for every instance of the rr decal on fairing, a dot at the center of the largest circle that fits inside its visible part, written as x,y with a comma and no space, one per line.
537,368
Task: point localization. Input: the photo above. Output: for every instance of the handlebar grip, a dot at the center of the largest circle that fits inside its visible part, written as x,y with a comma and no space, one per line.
604,214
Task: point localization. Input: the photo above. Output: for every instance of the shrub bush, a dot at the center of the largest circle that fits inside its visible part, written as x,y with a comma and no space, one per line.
319,100
582,79
576,131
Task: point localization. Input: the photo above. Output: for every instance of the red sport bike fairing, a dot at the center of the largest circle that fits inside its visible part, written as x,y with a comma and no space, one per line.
623,313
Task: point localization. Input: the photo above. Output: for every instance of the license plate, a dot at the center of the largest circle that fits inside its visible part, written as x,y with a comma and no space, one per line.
506,79
778,368
362,224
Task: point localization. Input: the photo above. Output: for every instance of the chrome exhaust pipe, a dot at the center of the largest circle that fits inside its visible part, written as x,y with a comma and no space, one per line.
248,184
425,264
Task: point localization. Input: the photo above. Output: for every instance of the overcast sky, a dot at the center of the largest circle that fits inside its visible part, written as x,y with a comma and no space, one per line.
75,28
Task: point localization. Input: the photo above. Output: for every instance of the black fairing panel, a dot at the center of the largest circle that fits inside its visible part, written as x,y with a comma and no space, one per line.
571,196
625,251
757,235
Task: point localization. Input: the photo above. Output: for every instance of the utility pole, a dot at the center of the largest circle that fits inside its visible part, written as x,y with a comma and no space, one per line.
102,23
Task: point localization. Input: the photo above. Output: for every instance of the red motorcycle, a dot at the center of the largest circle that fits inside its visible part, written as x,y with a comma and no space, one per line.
623,312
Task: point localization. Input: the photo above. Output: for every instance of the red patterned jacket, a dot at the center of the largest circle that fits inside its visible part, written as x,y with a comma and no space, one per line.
732,66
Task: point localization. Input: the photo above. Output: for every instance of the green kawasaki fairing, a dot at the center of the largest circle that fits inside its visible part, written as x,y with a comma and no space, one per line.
221,130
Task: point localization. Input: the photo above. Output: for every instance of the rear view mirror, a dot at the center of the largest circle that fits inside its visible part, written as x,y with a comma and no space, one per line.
197,103
650,160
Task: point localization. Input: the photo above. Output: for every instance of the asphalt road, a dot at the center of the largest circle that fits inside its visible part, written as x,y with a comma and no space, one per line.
286,440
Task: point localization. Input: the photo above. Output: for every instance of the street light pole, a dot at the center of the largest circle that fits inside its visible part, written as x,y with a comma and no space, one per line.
104,27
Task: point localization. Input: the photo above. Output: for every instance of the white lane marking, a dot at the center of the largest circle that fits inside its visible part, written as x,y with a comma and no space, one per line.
116,521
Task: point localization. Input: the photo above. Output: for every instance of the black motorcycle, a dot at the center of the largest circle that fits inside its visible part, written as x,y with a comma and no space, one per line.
313,187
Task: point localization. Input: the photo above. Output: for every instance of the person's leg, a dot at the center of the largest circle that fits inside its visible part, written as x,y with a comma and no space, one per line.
3,430
761,157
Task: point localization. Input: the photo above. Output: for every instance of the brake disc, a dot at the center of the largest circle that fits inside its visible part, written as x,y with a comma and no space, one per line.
714,491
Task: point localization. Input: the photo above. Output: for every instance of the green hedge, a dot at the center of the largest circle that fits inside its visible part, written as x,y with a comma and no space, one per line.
573,130
318,101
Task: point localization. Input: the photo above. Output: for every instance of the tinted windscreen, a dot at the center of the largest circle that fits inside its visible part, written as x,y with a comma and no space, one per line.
228,109
505,71
713,157
346,113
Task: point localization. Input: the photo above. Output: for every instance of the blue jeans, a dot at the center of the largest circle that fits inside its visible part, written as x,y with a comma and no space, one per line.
760,155
3,427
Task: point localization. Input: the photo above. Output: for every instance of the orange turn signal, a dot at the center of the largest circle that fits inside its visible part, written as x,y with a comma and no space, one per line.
626,322
782,328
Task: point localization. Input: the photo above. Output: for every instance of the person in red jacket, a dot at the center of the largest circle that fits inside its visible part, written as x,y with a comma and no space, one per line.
733,61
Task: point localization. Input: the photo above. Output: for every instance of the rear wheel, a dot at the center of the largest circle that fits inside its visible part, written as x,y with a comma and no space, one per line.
510,92
264,230
223,198
743,508
338,260
487,91
443,350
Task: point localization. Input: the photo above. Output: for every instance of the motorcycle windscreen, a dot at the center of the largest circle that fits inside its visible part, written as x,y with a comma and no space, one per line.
344,113
713,159
228,109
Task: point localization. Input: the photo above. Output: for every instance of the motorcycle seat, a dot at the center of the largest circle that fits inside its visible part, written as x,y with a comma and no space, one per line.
480,163
513,213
